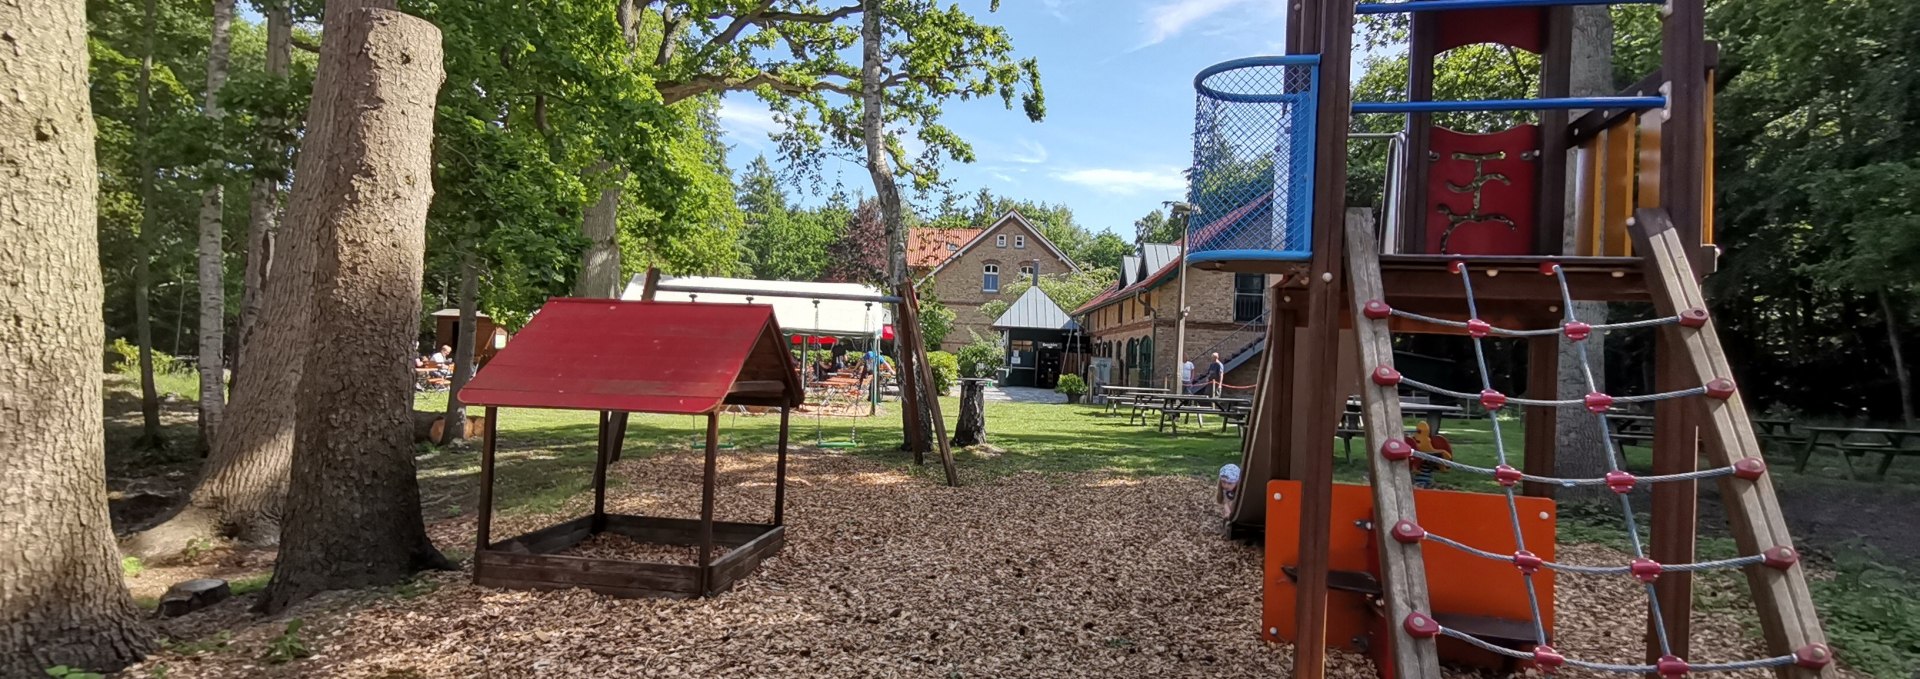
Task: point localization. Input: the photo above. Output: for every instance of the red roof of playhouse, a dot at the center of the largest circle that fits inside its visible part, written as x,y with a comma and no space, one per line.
658,357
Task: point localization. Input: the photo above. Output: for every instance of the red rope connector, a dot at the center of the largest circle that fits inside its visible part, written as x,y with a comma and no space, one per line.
1407,532
1749,468
1720,388
1780,558
1377,309
1396,450
1693,318
1598,402
1813,656
1672,666
1647,570
1621,482
1420,626
1576,331
1547,659
1492,400
1456,267
1507,476
1479,328
1528,562
1386,376
1547,269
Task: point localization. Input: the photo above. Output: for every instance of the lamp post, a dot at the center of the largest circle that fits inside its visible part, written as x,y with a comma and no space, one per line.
1181,211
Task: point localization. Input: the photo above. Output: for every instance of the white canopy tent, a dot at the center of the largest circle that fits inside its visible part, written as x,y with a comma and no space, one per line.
838,317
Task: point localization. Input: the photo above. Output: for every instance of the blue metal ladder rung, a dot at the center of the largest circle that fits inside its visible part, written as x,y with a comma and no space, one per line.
1548,104
1447,5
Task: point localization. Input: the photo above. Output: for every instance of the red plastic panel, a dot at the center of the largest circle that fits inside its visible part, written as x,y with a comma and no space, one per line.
597,354
1480,192
1519,27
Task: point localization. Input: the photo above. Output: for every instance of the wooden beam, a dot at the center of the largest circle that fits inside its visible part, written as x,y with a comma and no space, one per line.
602,456
1550,223
1543,382
484,522
1683,138
780,473
652,284
1423,37
1403,574
1781,596
706,503
1675,505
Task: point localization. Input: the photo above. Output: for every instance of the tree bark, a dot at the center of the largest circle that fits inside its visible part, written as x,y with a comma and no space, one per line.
143,247
971,429
212,257
1900,374
263,197
62,600
1581,449
463,350
600,224
353,478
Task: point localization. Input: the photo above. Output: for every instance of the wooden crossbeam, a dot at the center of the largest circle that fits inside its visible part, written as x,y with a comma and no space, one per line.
923,373
1781,596
1402,569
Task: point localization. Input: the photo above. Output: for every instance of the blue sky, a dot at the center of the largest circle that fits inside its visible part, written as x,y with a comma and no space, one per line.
1118,76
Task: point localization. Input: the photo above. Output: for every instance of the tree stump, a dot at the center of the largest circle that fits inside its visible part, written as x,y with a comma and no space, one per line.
971,429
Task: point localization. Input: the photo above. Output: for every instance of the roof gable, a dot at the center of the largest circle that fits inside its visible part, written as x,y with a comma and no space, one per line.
1035,311
658,357
1019,220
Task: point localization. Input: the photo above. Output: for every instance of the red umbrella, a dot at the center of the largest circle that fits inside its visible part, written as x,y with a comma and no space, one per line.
802,339
886,331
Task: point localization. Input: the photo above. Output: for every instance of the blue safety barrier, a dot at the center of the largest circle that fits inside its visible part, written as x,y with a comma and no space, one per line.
1446,5
1253,152
1551,104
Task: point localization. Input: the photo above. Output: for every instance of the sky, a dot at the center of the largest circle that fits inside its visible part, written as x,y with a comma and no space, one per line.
1118,77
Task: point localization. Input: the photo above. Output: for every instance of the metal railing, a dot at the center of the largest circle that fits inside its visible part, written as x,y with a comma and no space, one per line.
1392,189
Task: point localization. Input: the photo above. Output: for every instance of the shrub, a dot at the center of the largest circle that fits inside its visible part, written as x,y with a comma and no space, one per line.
981,358
123,357
1071,385
946,371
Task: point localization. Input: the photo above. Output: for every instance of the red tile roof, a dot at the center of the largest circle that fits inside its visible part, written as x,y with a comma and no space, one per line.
927,248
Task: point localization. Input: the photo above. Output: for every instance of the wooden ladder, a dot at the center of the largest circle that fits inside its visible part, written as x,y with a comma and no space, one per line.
1403,572
1781,596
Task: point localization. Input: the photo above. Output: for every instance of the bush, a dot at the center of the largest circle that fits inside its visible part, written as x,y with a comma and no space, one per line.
981,358
946,371
1071,385
123,357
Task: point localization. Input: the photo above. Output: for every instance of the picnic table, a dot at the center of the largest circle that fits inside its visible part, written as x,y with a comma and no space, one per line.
1861,441
1353,424
1173,406
1118,396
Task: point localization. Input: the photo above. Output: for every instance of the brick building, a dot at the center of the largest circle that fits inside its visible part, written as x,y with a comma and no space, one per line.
1132,324
971,267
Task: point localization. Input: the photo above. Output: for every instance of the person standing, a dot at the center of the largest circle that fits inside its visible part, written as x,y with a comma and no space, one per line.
1215,373
1186,376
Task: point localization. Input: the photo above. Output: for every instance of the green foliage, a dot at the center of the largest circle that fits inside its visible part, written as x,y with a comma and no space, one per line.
123,357
1156,228
72,673
936,320
781,243
981,357
1071,385
1069,290
860,253
130,566
1872,613
287,647
946,370
1053,220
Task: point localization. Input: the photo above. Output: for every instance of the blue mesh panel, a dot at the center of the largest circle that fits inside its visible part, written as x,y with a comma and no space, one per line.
1252,177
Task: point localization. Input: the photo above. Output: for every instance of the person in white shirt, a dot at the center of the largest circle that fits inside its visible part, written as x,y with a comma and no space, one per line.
1186,374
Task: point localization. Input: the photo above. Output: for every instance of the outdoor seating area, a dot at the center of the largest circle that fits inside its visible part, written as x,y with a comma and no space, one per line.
1165,409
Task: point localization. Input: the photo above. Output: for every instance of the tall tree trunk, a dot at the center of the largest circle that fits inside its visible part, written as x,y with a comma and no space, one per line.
143,247
600,224
263,200
1581,449
1900,374
62,600
353,481
455,423
212,257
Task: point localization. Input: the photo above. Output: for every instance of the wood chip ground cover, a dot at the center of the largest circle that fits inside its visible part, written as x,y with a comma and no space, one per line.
886,573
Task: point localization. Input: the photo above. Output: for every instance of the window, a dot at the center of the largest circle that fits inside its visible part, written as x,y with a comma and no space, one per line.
1000,241
990,278
1027,272
1249,297
1019,241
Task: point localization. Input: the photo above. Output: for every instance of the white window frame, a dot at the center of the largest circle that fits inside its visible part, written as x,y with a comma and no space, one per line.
1020,241
990,278
1000,241
1030,272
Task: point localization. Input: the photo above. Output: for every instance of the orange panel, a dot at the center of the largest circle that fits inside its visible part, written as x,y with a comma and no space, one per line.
1458,583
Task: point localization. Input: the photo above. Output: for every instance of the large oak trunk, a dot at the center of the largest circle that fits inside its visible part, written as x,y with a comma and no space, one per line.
211,256
62,601
600,224
150,436
353,485
1580,448
263,197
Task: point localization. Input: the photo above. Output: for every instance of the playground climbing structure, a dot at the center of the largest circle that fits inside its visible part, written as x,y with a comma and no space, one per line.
1478,243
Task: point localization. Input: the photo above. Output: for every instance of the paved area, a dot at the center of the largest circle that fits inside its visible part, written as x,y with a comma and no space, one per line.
1024,395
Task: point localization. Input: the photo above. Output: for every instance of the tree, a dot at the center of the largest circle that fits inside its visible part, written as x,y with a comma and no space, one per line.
1156,228
273,145
1107,251
1581,448
936,320
353,486
780,243
1069,290
853,258
62,599
212,258
144,243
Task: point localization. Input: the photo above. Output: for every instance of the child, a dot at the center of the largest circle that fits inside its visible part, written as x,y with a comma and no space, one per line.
1229,489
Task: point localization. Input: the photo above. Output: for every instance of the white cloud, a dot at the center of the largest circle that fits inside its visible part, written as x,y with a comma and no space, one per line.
748,121
1170,19
1057,8
1124,181
1024,151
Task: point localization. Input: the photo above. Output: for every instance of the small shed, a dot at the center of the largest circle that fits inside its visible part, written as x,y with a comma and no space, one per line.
1038,334
615,358
487,337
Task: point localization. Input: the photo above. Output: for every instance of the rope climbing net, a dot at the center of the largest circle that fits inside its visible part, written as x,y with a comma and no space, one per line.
1617,479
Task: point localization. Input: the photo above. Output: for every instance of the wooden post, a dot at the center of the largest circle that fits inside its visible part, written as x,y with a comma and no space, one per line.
652,284
1543,382
600,460
1421,39
484,524
1675,508
1683,135
706,504
780,473
619,440
1781,596
1556,75
1262,448
910,301
909,377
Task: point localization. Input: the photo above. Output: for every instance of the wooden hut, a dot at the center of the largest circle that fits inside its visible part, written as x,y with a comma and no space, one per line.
616,358
488,338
